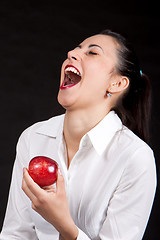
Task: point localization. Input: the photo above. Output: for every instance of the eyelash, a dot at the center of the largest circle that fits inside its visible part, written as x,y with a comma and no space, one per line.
93,53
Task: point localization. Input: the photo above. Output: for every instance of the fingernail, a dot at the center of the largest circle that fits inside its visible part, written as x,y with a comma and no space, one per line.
60,172
24,170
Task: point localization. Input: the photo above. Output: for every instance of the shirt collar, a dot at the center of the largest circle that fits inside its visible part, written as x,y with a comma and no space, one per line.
52,127
102,134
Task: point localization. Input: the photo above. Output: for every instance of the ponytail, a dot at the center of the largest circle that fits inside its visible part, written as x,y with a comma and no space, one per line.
134,109
134,106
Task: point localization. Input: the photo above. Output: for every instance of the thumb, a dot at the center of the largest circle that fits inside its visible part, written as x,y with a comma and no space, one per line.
60,182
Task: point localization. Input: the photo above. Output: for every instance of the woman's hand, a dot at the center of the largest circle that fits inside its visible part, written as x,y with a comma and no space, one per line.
51,203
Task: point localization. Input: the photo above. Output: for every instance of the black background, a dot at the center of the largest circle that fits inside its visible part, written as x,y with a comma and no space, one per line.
34,39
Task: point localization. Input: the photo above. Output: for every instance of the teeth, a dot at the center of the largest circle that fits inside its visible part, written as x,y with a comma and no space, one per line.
72,69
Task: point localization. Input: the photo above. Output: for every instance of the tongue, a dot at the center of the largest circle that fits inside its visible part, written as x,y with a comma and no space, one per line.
68,81
75,78
71,79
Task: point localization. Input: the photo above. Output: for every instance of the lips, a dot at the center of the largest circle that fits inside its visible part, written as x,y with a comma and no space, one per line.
72,76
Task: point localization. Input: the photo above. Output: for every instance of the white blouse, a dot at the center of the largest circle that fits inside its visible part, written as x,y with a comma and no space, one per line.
110,183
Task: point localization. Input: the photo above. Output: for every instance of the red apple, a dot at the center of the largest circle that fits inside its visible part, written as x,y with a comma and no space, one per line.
43,170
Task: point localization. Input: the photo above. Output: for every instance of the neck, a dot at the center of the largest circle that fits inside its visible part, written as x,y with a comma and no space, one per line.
76,125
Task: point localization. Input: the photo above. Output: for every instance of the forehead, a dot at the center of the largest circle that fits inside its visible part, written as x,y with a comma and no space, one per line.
105,42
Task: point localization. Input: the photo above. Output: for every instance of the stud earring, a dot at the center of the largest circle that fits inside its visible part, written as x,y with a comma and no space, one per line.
109,94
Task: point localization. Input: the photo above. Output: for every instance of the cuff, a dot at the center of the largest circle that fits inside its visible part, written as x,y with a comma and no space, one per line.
82,235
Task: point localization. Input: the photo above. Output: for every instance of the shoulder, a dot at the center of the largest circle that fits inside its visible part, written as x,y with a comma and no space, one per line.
139,156
131,142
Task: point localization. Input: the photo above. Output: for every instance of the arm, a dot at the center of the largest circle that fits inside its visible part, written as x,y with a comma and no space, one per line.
17,219
131,204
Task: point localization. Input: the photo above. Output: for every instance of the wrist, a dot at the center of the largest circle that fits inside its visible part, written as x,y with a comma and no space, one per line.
70,232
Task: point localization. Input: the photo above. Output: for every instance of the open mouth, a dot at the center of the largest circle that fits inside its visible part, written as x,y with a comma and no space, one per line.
72,76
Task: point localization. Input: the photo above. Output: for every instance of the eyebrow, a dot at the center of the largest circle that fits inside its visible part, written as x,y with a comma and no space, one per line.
90,46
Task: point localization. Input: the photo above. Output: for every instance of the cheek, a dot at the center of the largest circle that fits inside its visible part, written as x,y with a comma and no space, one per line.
97,74
98,67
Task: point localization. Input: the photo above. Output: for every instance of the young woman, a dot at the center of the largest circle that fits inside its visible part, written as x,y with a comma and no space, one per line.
107,177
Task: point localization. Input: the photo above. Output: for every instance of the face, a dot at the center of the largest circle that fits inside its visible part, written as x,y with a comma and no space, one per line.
87,72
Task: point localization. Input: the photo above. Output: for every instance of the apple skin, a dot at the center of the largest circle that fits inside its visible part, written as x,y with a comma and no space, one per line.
43,170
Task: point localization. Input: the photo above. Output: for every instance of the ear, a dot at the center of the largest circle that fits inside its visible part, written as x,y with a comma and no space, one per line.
120,84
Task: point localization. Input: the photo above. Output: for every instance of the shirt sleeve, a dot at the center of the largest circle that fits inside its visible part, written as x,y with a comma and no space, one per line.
130,206
129,209
18,223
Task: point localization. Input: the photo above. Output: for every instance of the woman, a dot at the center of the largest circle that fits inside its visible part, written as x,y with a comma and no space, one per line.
107,178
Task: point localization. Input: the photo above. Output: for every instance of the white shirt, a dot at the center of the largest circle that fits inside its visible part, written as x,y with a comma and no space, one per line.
110,183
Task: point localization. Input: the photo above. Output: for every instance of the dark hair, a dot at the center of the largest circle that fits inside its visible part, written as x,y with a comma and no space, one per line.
134,106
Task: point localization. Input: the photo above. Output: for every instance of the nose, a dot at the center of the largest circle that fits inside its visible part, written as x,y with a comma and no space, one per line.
73,55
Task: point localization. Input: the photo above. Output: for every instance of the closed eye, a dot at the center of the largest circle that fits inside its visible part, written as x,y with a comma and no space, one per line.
92,53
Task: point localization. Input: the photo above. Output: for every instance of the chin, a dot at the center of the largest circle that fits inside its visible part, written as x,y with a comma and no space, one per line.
64,101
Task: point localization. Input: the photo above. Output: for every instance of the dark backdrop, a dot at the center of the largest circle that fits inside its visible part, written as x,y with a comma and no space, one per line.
34,40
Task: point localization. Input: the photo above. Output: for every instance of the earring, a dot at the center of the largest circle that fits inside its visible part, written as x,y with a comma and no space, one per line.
109,94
